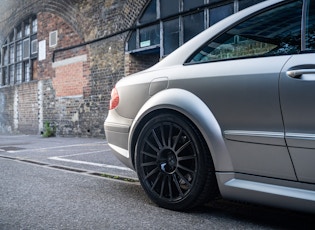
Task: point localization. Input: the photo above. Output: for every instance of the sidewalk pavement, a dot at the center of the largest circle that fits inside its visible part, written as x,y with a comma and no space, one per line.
89,155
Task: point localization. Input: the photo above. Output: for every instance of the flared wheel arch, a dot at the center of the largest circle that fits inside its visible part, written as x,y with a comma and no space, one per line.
210,191
189,106
149,116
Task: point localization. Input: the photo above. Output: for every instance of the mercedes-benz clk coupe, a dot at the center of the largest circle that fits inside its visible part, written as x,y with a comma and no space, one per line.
231,113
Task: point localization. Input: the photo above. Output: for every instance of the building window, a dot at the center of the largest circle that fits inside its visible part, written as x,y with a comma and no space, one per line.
27,28
26,48
27,71
150,13
171,35
192,25
34,46
34,25
12,53
19,32
165,25
246,3
18,51
220,12
6,56
19,73
150,36
11,68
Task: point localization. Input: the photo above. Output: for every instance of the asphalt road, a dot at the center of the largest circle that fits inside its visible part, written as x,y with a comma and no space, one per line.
59,183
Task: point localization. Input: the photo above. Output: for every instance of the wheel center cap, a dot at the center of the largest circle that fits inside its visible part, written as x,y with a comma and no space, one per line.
168,161
171,160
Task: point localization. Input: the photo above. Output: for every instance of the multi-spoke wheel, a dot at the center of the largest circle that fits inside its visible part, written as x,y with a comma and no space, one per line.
172,163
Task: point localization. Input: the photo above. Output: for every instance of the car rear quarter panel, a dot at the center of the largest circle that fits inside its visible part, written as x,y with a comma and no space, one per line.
194,109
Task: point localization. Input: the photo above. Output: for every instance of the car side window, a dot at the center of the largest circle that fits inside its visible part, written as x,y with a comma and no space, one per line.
273,32
310,26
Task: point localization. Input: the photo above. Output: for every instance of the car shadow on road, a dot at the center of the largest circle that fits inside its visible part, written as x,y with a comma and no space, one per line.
225,211
266,216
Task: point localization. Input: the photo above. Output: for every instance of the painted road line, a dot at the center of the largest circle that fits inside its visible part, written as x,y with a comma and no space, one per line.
90,163
85,153
57,147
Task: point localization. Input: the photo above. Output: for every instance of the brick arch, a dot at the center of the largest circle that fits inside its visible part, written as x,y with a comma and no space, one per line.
131,12
12,22
6,30
66,9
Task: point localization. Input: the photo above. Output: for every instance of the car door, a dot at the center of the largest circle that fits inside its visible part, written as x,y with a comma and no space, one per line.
297,87
240,71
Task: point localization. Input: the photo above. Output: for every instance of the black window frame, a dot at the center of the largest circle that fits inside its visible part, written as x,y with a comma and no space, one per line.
183,12
17,69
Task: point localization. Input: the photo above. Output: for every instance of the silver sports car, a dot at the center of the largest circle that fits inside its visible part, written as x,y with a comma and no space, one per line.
231,113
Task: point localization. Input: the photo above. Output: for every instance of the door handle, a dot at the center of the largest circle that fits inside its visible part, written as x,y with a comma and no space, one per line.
299,72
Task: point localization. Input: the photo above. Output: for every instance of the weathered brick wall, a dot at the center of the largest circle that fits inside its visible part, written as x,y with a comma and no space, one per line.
135,63
48,101
106,65
74,96
69,76
19,111
69,80
48,22
26,116
7,110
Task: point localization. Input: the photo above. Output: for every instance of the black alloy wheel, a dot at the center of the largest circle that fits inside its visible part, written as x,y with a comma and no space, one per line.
173,166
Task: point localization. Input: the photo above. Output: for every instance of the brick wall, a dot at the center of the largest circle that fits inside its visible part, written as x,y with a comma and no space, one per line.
71,93
135,63
19,109
66,80
26,115
69,80
7,110
48,22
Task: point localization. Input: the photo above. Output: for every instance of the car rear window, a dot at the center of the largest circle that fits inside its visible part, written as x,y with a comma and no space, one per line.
273,32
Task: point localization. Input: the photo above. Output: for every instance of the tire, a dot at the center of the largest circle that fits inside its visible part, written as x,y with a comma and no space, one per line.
173,165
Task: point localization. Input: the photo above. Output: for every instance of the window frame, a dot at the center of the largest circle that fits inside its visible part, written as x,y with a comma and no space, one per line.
161,20
183,12
18,69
